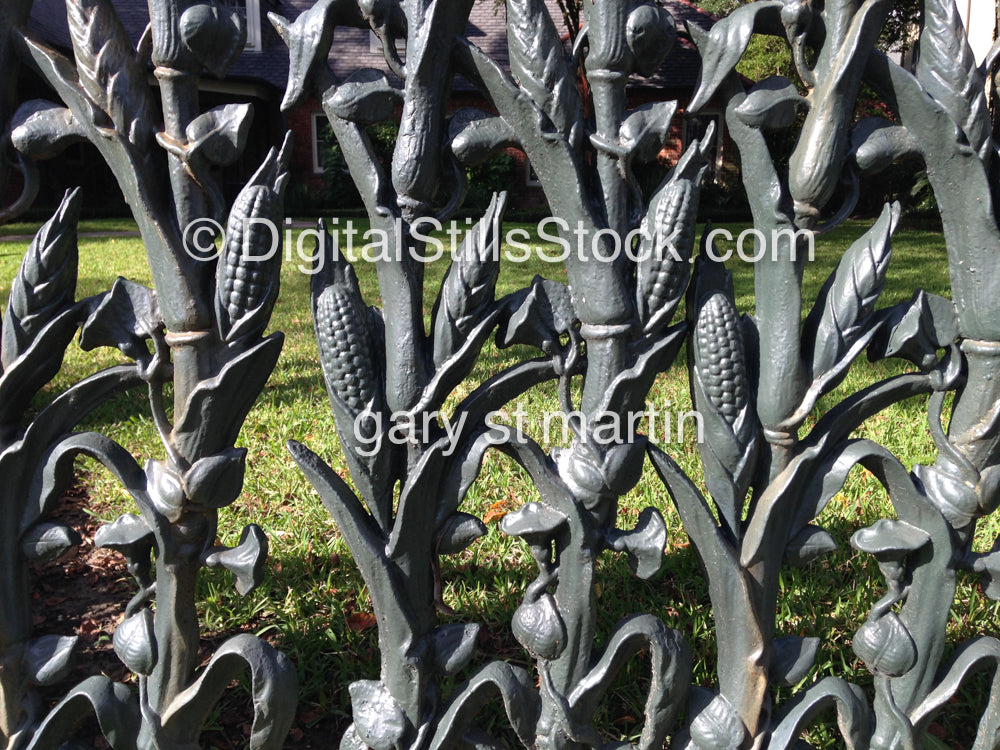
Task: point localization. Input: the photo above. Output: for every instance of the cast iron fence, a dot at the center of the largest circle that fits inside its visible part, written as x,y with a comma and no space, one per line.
603,337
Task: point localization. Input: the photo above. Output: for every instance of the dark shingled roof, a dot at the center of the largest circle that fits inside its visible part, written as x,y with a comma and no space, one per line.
351,47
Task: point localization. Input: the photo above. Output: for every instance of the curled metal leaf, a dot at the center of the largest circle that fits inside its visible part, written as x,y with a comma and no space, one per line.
165,489
541,314
48,541
48,659
794,656
886,646
216,35
458,532
135,642
717,726
644,544
808,545
124,318
916,330
220,134
453,646
539,627
771,104
216,481
533,522
42,129
366,97
245,561
379,720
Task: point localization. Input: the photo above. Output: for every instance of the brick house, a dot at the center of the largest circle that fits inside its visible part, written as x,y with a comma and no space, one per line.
259,76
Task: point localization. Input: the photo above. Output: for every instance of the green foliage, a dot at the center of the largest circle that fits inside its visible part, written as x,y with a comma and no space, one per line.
492,176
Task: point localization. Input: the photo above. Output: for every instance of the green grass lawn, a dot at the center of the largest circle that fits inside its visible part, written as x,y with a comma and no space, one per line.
313,602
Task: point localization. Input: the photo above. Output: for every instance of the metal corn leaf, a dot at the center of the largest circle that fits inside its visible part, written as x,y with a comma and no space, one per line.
56,471
114,705
629,388
854,717
946,67
71,406
108,71
723,46
214,413
36,365
670,663
308,39
273,685
699,523
515,687
844,305
540,64
45,284
364,538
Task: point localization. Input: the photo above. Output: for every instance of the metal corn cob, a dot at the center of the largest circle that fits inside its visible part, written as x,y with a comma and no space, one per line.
721,389
343,331
248,275
720,357
668,237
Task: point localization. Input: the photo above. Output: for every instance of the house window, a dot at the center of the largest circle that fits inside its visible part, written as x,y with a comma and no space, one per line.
322,139
249,11
530,176
695,128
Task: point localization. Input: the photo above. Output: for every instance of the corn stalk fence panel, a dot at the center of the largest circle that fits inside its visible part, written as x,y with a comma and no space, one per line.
780,439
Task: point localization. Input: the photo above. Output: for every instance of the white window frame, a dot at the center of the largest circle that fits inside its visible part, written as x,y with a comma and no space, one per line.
318,120
250,9
253,26
530,175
